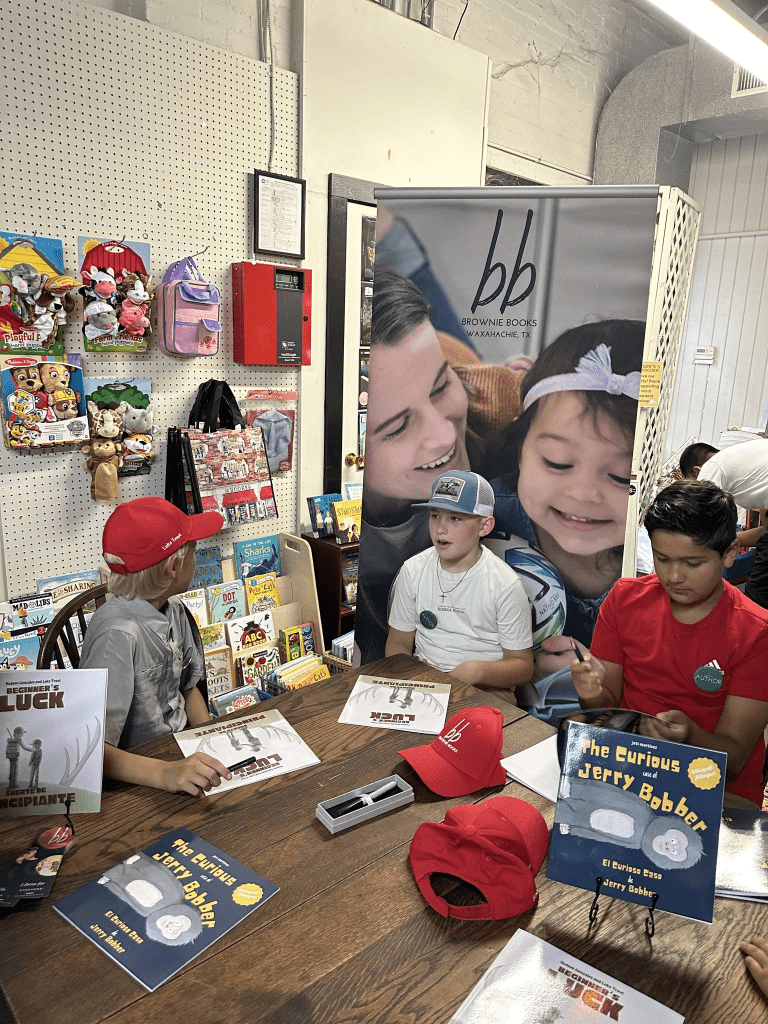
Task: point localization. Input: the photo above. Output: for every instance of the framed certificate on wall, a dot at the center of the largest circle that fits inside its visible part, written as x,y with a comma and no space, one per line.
279,213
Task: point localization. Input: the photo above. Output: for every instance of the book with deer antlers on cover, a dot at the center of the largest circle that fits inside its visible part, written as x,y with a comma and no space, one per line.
53,735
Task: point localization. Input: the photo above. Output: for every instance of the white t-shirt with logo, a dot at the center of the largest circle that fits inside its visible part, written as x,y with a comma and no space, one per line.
482,613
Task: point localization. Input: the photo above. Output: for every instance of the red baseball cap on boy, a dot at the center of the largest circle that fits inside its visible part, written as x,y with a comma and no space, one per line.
497,846
465,756
146,530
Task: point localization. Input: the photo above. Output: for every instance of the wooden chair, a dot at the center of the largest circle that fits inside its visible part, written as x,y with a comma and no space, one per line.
59,639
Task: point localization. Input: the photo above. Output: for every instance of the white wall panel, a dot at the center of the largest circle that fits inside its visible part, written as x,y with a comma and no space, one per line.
729,298
117,128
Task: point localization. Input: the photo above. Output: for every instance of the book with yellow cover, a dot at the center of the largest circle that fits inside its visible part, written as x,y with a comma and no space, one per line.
313,675
346,520
261,592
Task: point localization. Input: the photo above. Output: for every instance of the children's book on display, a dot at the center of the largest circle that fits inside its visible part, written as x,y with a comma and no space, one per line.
159,908
258,556
266,736
742,859
533,982
408,705
54,741
643,815
320,517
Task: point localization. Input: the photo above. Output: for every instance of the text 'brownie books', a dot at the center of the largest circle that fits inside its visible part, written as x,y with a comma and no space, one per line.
533,982
272,742
742,858
408,705
158,909
53,731
641,814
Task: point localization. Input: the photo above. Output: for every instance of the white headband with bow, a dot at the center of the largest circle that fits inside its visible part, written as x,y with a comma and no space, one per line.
593,373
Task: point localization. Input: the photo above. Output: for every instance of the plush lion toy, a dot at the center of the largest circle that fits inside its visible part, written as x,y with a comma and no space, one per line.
104,459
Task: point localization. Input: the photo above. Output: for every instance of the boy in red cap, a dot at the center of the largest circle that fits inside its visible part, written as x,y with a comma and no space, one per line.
145,638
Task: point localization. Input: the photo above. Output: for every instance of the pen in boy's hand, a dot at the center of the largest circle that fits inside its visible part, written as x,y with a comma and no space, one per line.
576,650
241,764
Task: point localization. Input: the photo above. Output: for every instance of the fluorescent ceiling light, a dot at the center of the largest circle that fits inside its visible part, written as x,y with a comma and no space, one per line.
723,25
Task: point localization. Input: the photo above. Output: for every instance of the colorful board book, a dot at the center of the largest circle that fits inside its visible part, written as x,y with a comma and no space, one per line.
196,605
250,630
160,908
346,517
261,592
642,814
258,556
253,664
66,586
531,981
208,566
218,670
320,518
54,740
226,601
275,745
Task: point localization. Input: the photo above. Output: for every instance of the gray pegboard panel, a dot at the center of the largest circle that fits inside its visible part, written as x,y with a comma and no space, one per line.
115,128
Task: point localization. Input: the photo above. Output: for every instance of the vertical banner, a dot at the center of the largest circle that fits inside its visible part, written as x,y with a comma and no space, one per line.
507,337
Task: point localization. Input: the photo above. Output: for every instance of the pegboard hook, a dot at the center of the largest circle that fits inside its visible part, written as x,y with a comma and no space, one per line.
200,253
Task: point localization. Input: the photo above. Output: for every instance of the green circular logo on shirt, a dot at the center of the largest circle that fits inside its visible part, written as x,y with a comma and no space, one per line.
708,678
428,620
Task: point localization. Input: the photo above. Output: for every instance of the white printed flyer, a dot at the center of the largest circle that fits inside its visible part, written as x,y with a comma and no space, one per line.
263,745
409,705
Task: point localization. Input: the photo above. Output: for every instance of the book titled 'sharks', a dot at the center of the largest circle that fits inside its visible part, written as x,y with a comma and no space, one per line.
642,815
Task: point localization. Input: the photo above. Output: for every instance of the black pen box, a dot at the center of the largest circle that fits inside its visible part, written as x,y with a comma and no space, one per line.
397,798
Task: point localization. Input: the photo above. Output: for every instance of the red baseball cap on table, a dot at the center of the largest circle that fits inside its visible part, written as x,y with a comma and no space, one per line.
465,756
497,846
144,531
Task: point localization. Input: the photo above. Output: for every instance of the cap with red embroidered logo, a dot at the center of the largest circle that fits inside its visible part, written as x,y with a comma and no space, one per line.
465,756
497,846
144,531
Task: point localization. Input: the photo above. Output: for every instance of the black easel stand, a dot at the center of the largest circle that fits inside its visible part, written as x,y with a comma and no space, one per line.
650,923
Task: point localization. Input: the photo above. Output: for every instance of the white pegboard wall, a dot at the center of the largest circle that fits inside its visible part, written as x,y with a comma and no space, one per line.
115,128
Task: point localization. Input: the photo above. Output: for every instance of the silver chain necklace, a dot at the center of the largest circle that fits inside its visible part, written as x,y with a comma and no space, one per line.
443,592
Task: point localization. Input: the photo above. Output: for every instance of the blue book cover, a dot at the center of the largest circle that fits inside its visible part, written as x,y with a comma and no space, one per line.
320,517
208,568
257,556
161,907
226,601
641,814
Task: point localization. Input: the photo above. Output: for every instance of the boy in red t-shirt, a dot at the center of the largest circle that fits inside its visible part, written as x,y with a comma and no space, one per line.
683,644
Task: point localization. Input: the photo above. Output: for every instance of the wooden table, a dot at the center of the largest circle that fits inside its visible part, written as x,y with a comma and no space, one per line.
349,937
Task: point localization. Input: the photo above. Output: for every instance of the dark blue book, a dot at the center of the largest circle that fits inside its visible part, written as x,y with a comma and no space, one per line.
161,907
208,568
257,556
320,518
641,814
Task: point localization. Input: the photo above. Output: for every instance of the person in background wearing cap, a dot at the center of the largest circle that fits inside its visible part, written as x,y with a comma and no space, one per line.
456,605
146,640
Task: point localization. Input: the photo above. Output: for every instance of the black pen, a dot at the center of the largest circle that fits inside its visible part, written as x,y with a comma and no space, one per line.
241,764
576,650
364,800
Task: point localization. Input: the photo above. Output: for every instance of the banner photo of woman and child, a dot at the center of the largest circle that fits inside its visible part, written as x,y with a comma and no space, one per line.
507,337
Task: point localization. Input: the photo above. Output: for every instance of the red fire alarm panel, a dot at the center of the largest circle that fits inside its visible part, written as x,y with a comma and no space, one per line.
272,318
